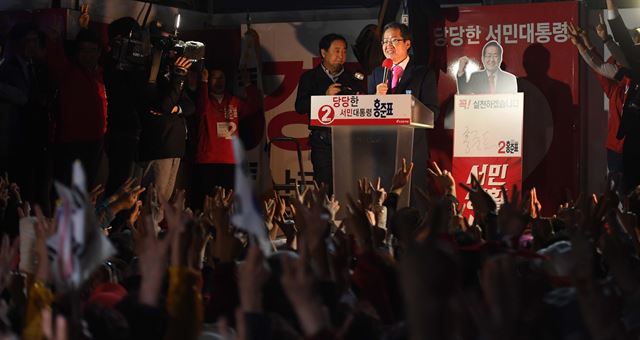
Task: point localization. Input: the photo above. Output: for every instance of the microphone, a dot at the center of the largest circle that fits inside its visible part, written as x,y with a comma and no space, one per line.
347,90
387,64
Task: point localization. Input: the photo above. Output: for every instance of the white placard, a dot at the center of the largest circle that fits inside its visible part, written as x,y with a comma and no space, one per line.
488,125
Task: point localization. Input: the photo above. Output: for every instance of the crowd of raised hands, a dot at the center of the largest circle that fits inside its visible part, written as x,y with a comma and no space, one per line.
517,271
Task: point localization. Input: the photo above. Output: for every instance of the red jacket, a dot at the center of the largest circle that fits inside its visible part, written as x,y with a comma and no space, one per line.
82,100
616,92
218,122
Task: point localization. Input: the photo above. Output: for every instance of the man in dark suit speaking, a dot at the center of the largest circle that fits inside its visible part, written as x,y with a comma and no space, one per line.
490,80
407,77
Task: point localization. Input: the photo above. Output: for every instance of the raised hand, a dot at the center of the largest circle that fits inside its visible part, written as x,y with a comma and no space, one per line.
4,191
333,206
358,225
127,199
269,209
482,202
444,178
313,220
534,205
183,64
205,75
59,331
252,275
83,21
8,252
95,193
177,221
401,178
298,284
382,89
135,213
601,28
152,256
44,229
216,213
365,193
462,65
500,317
511,218
574,35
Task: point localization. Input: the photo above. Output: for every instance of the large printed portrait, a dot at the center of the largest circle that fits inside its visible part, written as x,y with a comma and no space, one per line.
491,78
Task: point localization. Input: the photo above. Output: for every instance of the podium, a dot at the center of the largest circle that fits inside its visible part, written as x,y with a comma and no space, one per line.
371,135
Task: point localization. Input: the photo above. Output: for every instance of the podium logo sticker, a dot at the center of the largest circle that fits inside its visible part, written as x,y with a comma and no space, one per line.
326,114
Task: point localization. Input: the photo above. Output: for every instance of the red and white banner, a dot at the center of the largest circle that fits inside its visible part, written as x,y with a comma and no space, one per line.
538,52
487,143
365,110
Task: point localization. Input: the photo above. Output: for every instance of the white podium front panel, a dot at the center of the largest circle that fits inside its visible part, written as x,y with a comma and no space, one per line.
370,110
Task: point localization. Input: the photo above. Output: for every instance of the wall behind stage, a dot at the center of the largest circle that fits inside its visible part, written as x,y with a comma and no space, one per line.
537,50
288,50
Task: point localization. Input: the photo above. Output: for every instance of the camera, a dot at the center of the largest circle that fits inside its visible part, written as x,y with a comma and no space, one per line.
130,47
129,53
173,48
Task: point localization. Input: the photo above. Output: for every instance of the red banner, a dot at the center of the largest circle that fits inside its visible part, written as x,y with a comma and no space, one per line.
538,52
492,172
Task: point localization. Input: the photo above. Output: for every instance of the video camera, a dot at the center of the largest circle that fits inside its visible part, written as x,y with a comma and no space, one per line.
173,48
132,46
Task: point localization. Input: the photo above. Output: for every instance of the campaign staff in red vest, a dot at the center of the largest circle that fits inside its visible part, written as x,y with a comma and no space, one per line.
218,114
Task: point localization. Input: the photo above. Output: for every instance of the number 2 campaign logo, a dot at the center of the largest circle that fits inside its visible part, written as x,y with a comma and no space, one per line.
326,114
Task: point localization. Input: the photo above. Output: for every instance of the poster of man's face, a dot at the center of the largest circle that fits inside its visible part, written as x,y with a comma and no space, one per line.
491,79
492,57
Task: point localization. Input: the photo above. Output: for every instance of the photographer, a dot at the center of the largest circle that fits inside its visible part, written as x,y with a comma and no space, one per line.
163,136
125,78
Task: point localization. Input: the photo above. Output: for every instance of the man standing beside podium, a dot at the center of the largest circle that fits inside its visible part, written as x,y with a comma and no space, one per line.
329,78
408,77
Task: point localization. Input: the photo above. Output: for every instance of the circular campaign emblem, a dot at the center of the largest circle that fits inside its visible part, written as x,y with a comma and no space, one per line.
326,114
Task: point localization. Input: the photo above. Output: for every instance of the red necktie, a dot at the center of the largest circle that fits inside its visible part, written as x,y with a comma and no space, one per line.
492,83
397,74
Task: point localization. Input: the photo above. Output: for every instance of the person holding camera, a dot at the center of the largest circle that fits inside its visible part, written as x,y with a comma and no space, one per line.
163,135
329,78
125,78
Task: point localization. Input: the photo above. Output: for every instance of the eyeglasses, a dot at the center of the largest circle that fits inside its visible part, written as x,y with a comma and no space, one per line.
394,41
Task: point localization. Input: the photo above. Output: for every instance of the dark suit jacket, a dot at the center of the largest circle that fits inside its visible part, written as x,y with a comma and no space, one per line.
479,83
315,83
421,81
621,35
418,79
29,102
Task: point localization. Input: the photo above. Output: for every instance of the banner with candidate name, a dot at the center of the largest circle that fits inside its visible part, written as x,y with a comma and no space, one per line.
537,51
487,143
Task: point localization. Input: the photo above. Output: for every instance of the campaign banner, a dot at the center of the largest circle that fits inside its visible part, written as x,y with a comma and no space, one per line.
370,110
487,143
537,52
